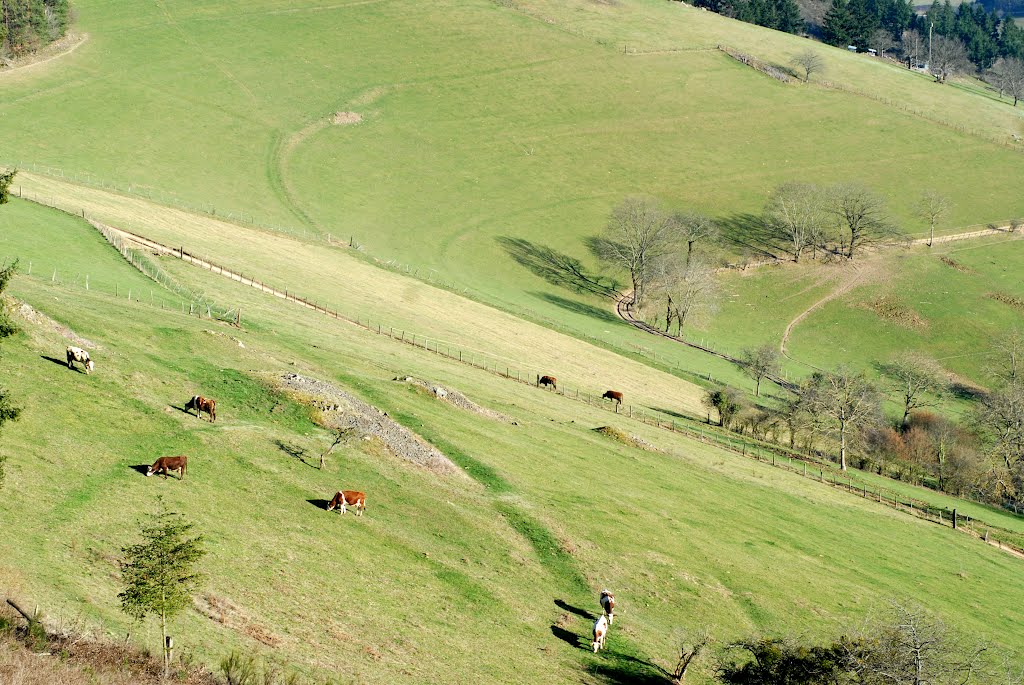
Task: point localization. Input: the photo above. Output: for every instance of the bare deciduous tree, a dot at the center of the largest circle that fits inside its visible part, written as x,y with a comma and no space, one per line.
760,362
693,227
911,46
919,380
809,61
861,214
932,207
881,40
1007,75
691,646
846,399
912,647
638,234
948,57
795,214
689,290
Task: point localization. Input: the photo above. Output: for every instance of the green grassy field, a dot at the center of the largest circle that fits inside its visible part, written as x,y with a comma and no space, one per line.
444,578
506,127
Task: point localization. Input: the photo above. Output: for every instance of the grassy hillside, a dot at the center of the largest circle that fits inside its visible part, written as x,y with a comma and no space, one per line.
444,578
480,122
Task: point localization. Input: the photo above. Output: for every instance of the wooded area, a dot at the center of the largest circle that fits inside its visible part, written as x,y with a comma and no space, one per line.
30,24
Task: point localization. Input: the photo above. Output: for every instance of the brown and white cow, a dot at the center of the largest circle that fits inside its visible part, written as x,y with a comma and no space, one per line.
77,354
165,464
548,380
201,404
613,395
608,605
600,633
348,498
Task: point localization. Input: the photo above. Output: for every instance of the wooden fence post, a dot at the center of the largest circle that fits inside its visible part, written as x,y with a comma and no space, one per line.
954,519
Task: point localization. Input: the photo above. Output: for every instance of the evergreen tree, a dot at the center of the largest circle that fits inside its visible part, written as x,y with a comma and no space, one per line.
836,26
1011,38
159,573
789,19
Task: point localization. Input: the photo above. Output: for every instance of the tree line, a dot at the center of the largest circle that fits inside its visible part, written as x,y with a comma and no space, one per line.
964,39
980,457
28,25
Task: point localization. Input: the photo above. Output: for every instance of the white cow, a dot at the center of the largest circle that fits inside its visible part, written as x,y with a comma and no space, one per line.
77,354
600,632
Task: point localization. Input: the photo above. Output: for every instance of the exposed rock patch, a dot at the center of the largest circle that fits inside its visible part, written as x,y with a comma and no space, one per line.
341,409
626,438
27,312
456,398
346,118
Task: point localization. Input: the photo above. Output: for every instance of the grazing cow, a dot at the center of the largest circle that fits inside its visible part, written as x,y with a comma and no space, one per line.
612,395
347,498
548,380
201,404
600,633
77,354
608,604
165,464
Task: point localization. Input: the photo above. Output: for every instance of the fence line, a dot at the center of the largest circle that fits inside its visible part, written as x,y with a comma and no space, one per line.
777,455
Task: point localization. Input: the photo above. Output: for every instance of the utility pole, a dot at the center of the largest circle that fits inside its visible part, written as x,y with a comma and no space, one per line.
930,27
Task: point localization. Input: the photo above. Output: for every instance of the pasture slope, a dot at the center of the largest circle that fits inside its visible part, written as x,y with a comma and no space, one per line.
445,579
495,137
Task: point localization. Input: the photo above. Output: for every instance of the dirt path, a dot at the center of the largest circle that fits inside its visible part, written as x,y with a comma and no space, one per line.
64,46
845,285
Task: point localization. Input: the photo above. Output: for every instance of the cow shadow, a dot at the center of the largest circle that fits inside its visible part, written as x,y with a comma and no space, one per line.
182,409
140,468
319,503
60,362
568,637
582,613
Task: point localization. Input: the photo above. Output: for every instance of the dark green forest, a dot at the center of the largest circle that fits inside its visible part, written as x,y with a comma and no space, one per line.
30,24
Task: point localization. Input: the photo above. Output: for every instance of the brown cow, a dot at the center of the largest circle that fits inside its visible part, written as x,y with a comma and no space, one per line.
201,404
614,395
165,464
608,605
548,380
346,498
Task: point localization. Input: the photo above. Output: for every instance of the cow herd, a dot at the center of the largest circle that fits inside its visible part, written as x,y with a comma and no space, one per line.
165,465
552,382
344,498
604,621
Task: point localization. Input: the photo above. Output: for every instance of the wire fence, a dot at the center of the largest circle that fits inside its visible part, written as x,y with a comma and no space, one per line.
809,463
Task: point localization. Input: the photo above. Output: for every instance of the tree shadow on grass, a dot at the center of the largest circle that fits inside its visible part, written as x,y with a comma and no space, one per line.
579,307
616,668
555,267
293,450
749,231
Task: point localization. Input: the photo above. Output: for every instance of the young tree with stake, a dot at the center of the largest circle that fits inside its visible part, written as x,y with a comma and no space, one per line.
159,573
